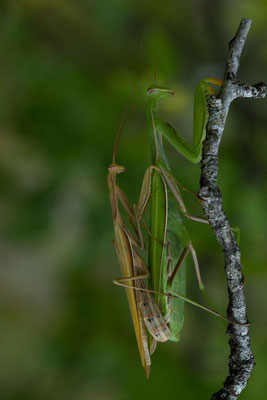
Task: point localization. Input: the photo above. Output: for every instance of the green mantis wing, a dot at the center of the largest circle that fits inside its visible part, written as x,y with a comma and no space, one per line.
174,250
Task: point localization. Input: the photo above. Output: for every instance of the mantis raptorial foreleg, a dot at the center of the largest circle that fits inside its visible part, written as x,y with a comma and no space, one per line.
192,152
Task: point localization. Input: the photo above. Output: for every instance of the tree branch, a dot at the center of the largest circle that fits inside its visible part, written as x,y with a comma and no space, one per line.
241,359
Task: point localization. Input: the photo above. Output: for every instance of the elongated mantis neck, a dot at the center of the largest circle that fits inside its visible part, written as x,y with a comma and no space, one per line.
154,136
153,105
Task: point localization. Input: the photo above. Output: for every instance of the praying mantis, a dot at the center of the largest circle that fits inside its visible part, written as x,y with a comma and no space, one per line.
169,242
161,314
124,247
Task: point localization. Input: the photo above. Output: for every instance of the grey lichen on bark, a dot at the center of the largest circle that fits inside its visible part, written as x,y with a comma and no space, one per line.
241,359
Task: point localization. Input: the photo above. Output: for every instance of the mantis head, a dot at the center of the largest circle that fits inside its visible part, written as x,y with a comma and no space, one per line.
115,169
157,92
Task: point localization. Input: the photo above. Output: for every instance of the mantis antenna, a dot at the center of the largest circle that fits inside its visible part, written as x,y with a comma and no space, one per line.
149,75
127,108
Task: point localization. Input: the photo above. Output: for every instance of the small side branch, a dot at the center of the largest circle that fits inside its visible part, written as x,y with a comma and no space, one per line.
241,359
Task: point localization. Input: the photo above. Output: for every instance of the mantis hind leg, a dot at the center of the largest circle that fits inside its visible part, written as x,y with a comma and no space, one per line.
200,282
119,281
189,248
151,315
173,294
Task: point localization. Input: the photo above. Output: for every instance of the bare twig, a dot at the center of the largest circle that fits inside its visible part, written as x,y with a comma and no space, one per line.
241,359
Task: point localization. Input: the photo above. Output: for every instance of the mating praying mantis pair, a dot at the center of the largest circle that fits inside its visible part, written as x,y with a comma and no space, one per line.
157,309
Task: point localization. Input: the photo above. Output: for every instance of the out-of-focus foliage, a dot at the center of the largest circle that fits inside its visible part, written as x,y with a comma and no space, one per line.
66,71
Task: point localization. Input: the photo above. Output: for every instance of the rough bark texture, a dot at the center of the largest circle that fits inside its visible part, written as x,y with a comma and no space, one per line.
241,360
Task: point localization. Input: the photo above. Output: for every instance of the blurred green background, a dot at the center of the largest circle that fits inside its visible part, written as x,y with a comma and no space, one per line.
66,70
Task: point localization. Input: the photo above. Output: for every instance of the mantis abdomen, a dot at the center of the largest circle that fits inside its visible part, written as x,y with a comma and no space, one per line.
153,319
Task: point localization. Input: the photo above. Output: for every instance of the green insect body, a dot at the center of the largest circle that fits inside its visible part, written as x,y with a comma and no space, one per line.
168,235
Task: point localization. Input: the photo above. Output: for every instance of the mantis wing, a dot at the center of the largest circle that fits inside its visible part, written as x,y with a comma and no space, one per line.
125,255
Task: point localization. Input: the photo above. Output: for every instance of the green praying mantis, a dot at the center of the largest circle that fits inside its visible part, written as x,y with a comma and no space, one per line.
169,243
